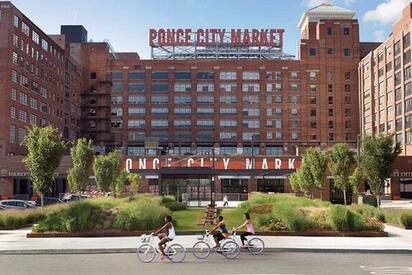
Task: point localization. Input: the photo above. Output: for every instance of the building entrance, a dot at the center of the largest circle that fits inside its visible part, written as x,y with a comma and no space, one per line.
187,187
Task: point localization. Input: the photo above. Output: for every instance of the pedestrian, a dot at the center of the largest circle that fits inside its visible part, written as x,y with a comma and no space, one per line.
225,201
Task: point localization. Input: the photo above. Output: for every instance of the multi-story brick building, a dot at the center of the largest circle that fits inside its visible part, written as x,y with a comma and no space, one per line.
39,84
385,95
248,105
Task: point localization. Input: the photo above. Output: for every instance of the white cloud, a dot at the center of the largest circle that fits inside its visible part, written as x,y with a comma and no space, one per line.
379,35
386,12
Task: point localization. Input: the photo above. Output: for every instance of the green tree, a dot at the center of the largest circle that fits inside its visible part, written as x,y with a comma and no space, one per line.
316,160
294,180
120,183
341,164
356,180
82,155
134,180
377,157
45,150
106,170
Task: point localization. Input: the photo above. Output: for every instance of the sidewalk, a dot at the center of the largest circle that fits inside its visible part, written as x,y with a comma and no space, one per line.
401,204
15,242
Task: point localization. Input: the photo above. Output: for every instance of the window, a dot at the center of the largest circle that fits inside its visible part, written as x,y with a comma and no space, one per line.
159,111
407,57
228,111
397,63
313,75
182,75
330,124
398,93
330,51
13,112
205,87
408,122
347,100
136,87
22,135
205,123
137,75
331,137
250,112
397,47
12,134
16,21
250,99
136,111
408,89
228,123
44,45
117,87
330,76
348,124
183,87
136,123
33,119
14,58
330,99
183,99
294,75
312,100
205,99
348,112
329,30
408,105
33,103
205,75
116,99
228,99
277,87
398,78
117,111
182,123
330,112
251,124
93,75
23,99
347,76
117,75
312,88
35,37
159,99
227,75
346,31
407,73
14,76
250,75
15,40
160,88
136,99
205,111
160,75
313,112
182,111
250,87
250,136
406,40
347,88
294,87
312,51
227,87
25,29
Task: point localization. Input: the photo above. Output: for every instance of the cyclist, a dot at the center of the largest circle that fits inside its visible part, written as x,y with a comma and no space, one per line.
249,229
167,235
223,231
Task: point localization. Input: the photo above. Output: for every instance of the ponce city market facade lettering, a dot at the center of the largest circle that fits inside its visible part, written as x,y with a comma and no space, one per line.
216,37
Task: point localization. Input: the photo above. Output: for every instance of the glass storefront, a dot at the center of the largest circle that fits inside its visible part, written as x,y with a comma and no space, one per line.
271,185
234,185
193,187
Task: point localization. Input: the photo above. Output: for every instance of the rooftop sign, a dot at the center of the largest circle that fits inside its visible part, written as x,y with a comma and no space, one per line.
216,37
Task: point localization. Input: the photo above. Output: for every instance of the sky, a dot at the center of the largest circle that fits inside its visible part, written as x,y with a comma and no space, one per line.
126,23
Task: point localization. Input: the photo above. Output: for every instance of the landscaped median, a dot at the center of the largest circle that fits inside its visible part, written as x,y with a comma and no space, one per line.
274,215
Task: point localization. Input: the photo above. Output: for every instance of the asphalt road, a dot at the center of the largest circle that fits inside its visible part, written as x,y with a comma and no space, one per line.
269,263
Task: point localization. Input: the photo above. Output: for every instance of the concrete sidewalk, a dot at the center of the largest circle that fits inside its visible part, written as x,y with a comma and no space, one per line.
15,242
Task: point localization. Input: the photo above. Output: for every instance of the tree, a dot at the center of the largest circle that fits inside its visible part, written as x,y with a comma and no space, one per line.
82,155
106,170
120,183
377,157
294,180
341,164
134,180
316,160
356,179
46,148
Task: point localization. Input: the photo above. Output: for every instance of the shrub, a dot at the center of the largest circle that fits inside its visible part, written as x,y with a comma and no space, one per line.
141,215
373,224
343,219
370,200
15,218
406,219
260,209
368,211
175,205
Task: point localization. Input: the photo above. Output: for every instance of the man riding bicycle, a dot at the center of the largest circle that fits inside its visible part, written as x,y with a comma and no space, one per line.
223,231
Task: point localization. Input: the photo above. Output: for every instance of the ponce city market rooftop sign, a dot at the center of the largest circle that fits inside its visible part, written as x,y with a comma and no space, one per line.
215,37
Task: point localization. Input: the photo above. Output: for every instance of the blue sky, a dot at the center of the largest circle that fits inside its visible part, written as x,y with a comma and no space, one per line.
126,22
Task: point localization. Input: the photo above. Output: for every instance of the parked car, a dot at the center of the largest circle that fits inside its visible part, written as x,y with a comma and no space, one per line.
16,204
48,201
74,197
2,207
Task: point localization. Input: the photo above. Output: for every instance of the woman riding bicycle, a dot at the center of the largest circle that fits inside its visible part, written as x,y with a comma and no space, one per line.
167,236
249,229
223,231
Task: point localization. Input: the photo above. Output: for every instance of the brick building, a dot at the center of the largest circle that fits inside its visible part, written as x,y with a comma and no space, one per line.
386,95
231,120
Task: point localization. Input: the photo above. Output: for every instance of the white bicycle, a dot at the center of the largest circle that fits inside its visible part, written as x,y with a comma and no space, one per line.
255,245
146,251
202,248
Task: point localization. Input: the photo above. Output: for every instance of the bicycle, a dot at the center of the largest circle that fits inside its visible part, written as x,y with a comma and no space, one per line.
146,251
255,245
201,249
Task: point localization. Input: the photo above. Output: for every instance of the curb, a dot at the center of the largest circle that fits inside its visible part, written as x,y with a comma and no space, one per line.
189,250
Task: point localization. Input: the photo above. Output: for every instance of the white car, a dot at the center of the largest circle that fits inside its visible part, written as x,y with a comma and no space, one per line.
16,204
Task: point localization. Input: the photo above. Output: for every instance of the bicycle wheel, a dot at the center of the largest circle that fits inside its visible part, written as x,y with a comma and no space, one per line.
201,250
230,249
176,253
146,253
255,246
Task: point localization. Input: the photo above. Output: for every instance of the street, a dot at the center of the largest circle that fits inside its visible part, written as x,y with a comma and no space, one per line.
268,263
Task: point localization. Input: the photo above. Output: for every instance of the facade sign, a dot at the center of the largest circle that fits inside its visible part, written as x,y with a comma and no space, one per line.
216,37
220,163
